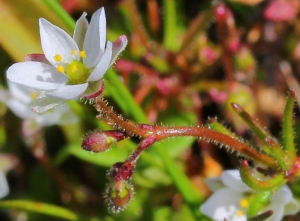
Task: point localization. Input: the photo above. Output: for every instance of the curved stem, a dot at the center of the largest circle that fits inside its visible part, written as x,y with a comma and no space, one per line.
160,133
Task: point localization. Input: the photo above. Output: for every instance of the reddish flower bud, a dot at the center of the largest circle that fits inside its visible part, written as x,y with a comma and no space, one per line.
100,141
121,171
117,195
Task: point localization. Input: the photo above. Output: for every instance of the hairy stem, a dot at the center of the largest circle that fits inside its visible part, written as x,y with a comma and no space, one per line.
159,133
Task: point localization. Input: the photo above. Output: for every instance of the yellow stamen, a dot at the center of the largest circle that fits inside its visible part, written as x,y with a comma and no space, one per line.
74,52
239,213
82,54
244,203
33,95
60,68
57,58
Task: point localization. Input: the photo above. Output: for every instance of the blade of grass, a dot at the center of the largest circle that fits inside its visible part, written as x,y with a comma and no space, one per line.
42,208
170,26
61,13
287,129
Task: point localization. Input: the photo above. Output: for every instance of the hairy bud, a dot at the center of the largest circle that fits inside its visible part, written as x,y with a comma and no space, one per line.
118,194
121,171
100,141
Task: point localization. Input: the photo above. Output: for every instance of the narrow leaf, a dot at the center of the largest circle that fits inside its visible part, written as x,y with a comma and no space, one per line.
42,208
287,129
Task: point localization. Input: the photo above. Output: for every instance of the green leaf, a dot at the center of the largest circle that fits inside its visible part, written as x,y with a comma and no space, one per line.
287,130
257,202
42,208
170,25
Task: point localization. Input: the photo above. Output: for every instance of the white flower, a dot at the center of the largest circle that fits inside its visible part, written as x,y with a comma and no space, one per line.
73,67
229,199
7,162
4,188
19,99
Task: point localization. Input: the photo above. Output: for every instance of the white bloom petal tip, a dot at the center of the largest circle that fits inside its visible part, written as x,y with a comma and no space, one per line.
56,41
231,199
37,57
120,42
4,188
118,46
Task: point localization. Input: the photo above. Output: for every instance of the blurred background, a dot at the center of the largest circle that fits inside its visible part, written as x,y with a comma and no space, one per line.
185,62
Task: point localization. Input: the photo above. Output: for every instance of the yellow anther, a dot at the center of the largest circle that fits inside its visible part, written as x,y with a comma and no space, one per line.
239,213
33,95
82,54
244,203
74,52
57,58
60,68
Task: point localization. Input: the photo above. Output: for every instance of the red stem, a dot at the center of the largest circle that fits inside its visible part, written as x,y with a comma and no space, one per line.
159,133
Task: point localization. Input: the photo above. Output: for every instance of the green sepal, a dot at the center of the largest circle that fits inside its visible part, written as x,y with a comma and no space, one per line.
255,127
287,130
258,184
257,203
217,126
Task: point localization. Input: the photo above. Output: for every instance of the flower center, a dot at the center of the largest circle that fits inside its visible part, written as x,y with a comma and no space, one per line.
75,70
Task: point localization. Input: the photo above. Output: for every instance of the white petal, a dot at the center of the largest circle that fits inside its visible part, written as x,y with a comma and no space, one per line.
103,64
67,115
54,41
95,38
60,114
67,92
291,208
35,75
20,109
223,204
53,116
278,209
43,104
80,30
214,183
232,179
20,92
4,188
118,46
284,196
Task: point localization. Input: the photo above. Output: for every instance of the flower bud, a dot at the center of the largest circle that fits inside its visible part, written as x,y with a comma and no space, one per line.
117,195
121,171
100,141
